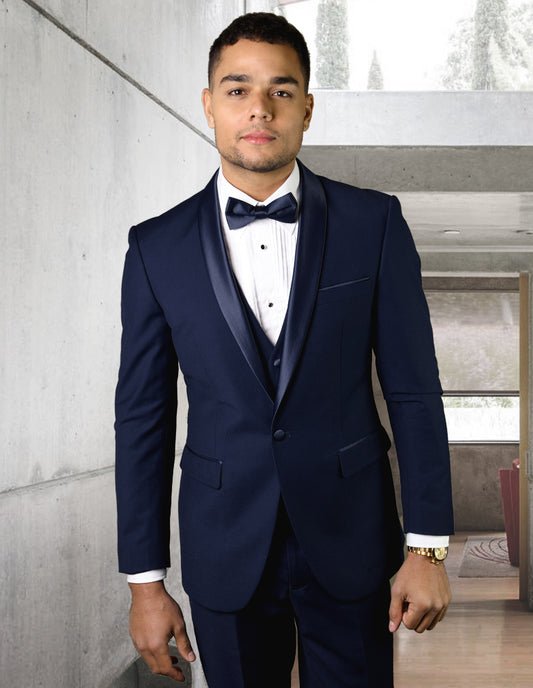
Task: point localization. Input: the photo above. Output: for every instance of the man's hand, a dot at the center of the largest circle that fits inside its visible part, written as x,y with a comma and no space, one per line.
154,618
420,595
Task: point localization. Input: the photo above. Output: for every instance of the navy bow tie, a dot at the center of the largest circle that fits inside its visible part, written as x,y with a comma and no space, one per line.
239,213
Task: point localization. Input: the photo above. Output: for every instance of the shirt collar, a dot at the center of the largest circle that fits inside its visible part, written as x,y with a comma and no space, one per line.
225,190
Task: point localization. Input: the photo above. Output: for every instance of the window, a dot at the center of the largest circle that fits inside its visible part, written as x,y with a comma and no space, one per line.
477,345
482,418
417,45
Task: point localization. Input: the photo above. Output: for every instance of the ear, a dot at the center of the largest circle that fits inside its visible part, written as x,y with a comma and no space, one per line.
207,103
309,105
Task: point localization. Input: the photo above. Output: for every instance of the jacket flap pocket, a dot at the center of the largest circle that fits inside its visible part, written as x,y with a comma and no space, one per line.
362,453
207,471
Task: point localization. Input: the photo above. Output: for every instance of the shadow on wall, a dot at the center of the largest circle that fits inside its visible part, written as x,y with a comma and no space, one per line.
138,675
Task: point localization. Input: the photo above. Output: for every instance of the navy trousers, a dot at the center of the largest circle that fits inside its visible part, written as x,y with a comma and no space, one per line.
340,644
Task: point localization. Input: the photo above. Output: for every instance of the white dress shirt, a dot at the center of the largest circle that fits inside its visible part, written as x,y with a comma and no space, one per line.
262,256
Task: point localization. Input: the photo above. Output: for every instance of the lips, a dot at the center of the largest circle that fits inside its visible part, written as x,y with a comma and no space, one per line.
258,137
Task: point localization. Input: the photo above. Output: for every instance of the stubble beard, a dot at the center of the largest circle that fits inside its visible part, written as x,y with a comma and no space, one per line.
235,157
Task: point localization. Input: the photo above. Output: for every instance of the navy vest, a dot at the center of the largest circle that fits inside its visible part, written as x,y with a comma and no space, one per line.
270,354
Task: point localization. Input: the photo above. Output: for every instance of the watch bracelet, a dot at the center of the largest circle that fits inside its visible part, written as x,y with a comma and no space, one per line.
428,552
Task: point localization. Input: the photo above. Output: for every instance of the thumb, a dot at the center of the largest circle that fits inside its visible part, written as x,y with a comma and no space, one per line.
184,644
395,611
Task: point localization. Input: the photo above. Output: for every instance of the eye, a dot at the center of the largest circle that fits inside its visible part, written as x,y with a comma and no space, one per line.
236,92
282,94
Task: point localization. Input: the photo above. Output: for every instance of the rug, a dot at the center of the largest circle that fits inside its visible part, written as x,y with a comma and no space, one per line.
486,557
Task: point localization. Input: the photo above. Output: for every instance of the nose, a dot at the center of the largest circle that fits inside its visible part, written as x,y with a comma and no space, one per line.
261,107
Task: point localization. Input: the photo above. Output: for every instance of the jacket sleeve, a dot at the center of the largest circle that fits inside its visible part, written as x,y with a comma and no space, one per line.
145,426
408,373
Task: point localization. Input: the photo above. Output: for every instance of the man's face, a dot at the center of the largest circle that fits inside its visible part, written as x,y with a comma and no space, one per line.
258,107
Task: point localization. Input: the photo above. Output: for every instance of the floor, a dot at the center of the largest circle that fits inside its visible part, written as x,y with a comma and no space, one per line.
486,639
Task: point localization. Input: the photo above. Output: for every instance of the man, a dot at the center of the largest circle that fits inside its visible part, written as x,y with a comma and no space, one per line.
271,287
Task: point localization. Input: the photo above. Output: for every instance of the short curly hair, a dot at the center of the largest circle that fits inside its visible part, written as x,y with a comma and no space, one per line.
262,27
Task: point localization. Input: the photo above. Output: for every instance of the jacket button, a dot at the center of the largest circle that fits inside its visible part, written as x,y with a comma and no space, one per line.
277,363
279,435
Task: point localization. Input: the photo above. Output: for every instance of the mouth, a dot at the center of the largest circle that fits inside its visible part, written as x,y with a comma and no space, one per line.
258,137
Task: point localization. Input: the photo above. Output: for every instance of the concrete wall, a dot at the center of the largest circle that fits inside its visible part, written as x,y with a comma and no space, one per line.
476,484
413,169
100,106
444,118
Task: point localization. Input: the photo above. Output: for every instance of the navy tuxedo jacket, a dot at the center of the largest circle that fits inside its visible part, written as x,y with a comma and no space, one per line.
318,442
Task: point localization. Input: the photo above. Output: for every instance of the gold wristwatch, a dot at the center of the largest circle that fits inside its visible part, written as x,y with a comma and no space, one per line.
436,554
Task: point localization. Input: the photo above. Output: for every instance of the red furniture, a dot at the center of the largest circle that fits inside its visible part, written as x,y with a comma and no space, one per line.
510,487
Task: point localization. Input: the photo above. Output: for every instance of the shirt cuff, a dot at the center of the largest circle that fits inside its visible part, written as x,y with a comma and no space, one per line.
147,576
416,540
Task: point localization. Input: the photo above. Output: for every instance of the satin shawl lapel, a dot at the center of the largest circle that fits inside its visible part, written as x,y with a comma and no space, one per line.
223,281
306,276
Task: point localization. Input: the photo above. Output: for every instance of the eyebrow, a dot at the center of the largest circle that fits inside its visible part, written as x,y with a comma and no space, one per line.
246,79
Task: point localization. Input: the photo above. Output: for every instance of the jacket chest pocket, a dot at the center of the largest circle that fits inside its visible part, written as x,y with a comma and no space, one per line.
343,291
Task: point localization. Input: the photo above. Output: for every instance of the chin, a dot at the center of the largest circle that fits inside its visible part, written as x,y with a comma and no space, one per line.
263,165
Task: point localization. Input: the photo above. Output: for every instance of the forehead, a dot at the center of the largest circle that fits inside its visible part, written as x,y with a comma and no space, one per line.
258,59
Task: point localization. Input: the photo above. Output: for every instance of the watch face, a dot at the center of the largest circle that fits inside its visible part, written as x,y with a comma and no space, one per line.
441,553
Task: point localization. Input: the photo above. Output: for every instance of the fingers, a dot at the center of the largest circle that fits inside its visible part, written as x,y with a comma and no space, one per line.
396,610
183,643
418,616
438,618
160,662
425,617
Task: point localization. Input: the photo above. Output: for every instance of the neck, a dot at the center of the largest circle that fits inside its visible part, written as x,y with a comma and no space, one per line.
258,185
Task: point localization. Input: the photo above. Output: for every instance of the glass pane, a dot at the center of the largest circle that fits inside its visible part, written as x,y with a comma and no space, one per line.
482,419
417,45
476,340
